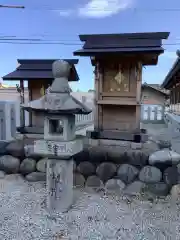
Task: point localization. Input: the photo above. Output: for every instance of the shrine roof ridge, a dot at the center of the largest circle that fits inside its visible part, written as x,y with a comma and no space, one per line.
95,44
142,35
45,61
34,69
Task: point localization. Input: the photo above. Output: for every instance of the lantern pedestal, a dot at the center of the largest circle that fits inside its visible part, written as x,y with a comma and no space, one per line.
59,177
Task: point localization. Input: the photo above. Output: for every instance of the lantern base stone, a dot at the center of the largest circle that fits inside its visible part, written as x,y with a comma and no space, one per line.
59,184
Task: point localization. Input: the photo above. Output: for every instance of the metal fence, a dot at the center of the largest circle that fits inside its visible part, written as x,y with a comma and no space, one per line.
152,113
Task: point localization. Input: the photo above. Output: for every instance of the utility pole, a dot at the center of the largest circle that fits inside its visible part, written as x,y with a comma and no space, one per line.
12,6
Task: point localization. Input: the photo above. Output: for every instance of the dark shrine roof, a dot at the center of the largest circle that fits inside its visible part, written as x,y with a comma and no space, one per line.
168,81
121,43
34,69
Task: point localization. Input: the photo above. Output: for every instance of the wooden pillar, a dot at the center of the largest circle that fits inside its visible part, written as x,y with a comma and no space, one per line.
138,79
171,98
22,112
177,101
178,96
100,117
96,87
174,98
30,99
98,77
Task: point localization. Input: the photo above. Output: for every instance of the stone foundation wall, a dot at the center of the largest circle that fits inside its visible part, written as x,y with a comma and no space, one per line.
131,168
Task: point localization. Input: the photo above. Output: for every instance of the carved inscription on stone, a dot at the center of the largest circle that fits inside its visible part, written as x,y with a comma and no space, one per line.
45,147
59,185
55,179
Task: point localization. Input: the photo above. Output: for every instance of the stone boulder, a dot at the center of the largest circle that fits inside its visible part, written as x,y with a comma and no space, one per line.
171,176
157,189
150,147
178,169
97,154
29,151
164,144
9,164
16,148
78,180
36,177
137,158
86,168
3,146
81,156
134,189
42,165
150,174
164,158
94,182
175,193
127,173
105,171
27,166
117,154
114,185
2,174
14,177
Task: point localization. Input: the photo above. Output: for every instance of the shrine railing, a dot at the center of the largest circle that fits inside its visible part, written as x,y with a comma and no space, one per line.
84,119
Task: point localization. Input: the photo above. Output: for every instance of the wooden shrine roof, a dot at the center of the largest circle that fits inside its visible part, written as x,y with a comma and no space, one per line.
173,72
34,69
122,43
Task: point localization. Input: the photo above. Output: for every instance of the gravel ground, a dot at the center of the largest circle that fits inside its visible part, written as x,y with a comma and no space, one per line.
94,216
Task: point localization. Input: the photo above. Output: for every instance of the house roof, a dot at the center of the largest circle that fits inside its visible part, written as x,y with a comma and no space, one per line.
172,72
145,85
122,43
34,69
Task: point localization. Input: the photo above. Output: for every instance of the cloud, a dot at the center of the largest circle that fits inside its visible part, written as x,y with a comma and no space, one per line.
97,8
103,8
64,13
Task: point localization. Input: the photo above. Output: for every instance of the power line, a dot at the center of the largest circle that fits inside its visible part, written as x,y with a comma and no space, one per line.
68,41
45,42
36,39
18,40
11,6
40,43
47,8
39,37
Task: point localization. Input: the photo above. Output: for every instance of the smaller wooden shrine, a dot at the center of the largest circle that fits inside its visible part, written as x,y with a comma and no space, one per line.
118,60
38,74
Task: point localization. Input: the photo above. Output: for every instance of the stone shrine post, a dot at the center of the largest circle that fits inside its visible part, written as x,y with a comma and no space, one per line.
59,177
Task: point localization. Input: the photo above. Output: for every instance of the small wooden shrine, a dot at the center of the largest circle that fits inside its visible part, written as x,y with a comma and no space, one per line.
38,74
118,60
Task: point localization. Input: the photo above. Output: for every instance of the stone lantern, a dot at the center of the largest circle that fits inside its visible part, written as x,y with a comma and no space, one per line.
60,142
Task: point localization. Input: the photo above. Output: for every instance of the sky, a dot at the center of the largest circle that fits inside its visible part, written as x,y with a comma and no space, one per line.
63,21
